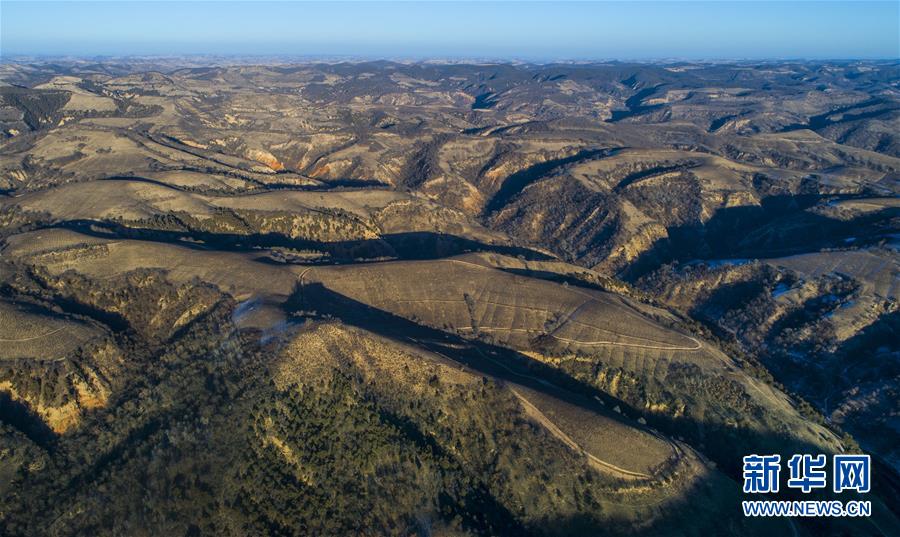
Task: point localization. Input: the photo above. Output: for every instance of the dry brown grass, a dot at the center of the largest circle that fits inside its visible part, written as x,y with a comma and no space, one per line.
28,335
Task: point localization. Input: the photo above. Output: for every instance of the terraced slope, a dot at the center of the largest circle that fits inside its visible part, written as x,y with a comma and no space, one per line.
604,340
465,296
28,333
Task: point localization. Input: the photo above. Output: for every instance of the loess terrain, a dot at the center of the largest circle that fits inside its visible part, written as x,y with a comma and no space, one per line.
441,299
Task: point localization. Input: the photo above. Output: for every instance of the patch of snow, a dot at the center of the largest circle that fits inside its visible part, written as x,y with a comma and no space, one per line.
244,308
780,289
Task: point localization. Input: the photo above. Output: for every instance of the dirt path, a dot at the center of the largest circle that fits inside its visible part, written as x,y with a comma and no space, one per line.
50,333
569,318
601,465
696,346
541,418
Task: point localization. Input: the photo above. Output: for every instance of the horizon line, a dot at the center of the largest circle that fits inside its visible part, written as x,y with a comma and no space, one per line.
359,58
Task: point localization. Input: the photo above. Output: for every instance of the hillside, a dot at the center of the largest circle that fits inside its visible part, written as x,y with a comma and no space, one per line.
441,299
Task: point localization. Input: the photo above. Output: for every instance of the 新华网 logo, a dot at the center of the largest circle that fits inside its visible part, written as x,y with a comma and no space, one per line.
807,473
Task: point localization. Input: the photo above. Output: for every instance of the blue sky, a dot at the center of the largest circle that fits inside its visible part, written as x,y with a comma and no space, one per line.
526,30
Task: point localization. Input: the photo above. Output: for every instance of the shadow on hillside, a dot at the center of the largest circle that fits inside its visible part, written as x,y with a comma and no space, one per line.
556,277
780,226
21,417
414,245
510,365
517,182
822,121
722,444
336,185
635,104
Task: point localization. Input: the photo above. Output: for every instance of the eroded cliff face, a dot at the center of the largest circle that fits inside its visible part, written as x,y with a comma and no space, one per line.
62,392
264,157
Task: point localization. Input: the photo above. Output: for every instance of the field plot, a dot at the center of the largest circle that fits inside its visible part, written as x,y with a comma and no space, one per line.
601,439
852,208
235,273
81,99
360,203
633,166
462,296
138,199
876,270
26,333
100,200
308,215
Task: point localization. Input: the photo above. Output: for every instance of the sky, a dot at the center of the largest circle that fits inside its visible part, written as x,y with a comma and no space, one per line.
635,30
